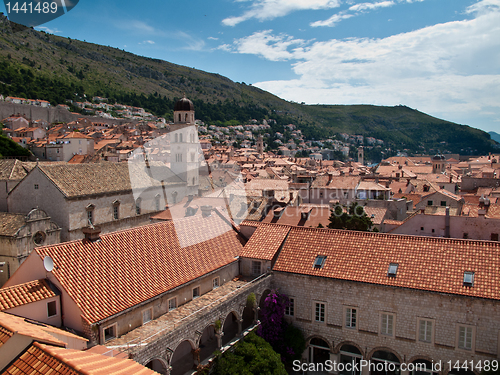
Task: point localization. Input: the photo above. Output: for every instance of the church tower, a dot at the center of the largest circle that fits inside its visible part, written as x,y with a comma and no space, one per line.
260,145
361,155
185,146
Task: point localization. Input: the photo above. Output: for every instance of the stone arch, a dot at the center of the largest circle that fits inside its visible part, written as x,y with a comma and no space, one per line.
230,327
310,338
182,359
261,300
423,358
157,364
247,314
207,342
341,344
317,351
384,349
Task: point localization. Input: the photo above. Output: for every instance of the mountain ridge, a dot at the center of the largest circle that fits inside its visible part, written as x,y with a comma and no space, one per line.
36,63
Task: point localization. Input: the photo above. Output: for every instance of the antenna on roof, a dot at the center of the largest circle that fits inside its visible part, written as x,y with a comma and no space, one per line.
48,263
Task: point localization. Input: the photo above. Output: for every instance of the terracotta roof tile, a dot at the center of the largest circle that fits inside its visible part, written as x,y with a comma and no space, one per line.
159,256
425,263
265,242
11,324
22,294
41,359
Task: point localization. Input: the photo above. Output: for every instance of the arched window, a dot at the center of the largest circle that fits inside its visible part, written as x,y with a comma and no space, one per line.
186,117
180,118
180,137
176,138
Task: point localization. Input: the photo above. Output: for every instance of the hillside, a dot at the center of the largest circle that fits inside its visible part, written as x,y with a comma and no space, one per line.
494,136
39,65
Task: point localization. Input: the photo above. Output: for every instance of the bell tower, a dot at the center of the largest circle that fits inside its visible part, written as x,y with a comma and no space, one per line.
185,146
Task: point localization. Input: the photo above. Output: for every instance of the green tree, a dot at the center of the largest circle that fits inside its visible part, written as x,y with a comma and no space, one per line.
252,356
354,219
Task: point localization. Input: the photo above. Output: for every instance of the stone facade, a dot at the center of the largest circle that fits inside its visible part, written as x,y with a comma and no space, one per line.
446,312
34,229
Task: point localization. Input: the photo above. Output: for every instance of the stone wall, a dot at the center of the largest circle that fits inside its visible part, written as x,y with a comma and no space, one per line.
447,312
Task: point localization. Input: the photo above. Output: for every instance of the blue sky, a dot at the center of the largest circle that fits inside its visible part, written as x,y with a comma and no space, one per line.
441,57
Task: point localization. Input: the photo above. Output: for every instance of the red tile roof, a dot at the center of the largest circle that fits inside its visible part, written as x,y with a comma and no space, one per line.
134,265
265,242
41,359
425,263
22,294
11,324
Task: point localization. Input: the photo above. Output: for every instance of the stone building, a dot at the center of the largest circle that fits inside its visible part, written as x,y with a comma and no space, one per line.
386,298
20,234
113,196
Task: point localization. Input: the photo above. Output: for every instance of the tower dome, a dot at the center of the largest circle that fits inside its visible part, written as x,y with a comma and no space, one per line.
184,104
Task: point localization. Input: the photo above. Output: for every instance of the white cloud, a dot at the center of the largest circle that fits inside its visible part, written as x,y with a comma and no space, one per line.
147,42
212,38
449,70
192,43
357,9
270,9
371,6
47,30
263,43
333,20
140,26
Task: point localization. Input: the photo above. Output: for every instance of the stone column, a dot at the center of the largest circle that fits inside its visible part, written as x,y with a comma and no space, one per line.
334,358
240,324
196,356
218,336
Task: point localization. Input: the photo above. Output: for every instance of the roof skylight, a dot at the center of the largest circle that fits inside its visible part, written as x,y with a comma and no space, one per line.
393,269
319,262
468,278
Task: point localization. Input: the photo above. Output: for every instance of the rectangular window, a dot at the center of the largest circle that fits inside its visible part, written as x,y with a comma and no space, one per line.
36,186
465,337
137,208
110,332
319,312
429,203
443,204
387,324
350,317
290,308
256,266
115,212
215,283
196,292
147,316
90,217
51,309
172,304
494,236
425,330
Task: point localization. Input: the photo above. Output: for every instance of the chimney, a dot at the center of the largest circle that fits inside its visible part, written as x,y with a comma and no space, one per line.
206,211
92,233
447,223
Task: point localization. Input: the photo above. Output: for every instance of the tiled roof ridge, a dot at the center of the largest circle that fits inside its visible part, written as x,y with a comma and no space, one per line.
63,362
104,235
41,281
356,233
